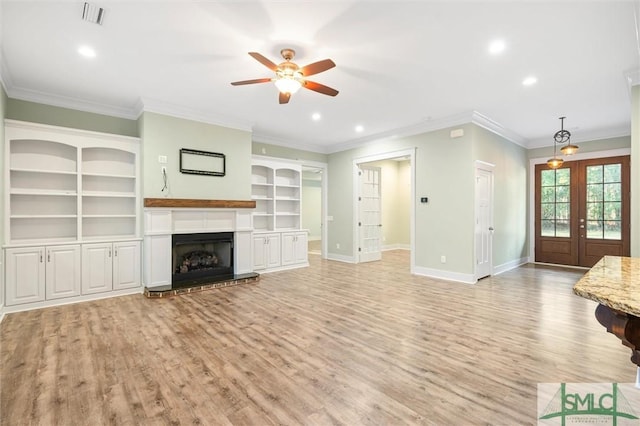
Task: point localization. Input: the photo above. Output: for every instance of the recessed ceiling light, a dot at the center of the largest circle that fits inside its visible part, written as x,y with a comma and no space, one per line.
529,81
316,116
496,47
87,52
359,129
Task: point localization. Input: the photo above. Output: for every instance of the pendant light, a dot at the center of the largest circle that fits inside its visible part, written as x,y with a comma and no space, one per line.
563,136
555,162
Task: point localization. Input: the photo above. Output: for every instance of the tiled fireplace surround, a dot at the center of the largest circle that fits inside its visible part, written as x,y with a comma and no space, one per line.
180,217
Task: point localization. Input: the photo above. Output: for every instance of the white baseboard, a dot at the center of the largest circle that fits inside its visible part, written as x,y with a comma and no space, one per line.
1,313
445,275
71,300
396,247
341,258
497,270
282,268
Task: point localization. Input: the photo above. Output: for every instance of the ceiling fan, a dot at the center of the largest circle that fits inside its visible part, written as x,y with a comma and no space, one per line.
290,77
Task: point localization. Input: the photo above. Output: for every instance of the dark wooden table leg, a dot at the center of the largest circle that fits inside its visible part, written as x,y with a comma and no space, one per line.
624,326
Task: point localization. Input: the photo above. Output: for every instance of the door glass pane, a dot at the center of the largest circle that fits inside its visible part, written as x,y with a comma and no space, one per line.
594,174
548,211
594,192
613,173
549,194
613,211
548,228
562,211
562,228
547,178
562,194
604,201
613,230
555,203
612,192
594,229
563,176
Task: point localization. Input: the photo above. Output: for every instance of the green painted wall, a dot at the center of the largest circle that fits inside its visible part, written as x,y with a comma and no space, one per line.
511,194
259,148
589,146
65,117
444,173
165,135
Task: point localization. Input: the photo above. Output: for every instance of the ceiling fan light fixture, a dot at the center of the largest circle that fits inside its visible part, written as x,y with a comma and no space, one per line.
288,84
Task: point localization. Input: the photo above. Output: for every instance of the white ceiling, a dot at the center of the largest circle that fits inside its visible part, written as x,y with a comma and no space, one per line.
402,66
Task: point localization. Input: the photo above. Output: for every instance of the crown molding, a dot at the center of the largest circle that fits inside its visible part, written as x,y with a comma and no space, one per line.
466,117
497,128
179,111
592,135
70,103
256,137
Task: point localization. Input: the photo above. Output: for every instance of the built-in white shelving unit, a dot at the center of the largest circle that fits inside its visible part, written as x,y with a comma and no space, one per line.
276,189
65,188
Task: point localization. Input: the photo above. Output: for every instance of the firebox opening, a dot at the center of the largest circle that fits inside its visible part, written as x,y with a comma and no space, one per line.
201,258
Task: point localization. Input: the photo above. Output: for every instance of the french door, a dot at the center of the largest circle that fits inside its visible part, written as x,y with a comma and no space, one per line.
582,211
369,214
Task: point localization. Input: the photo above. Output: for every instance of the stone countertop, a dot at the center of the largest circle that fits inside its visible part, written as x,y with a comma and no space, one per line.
614,282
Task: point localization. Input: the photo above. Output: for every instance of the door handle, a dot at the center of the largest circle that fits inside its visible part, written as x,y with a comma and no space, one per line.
581,226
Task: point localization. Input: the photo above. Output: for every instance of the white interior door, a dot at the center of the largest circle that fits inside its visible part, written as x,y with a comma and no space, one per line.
369,217
484,222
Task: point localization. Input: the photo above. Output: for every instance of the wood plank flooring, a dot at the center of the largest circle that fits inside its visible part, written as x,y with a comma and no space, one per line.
330,344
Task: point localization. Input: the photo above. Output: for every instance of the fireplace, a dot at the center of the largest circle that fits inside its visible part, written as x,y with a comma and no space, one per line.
201,258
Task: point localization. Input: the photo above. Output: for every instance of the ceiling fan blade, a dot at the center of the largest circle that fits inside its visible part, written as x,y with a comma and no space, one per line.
264,61
284,97
317,67
258,80
320,88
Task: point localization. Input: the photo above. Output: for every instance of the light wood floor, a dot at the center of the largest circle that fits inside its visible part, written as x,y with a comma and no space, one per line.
330,344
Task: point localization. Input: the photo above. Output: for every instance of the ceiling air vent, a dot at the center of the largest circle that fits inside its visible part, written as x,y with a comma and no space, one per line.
93,13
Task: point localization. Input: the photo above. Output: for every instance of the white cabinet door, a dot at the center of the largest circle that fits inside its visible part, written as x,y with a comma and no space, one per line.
288,248
294,248
25,275
266,251
126,265
97,268
63,271
273,250
259,252
301,248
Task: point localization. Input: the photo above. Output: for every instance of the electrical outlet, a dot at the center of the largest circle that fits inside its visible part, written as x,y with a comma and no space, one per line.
337,245
162,159
443,259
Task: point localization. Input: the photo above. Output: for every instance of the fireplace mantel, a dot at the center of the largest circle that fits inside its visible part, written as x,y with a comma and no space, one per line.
198,203
163,221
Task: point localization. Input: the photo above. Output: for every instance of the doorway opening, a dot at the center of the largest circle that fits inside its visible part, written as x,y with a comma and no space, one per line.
384,205
313,183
